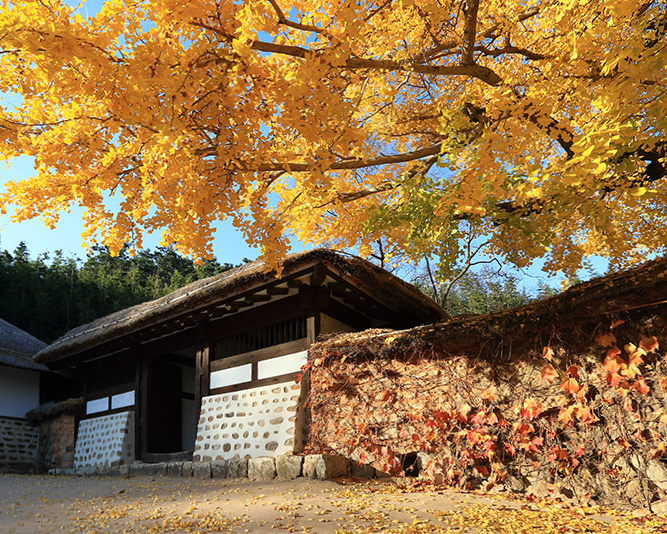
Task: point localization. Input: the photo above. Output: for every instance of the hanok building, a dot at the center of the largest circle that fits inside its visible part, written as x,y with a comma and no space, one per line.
19,393
211,367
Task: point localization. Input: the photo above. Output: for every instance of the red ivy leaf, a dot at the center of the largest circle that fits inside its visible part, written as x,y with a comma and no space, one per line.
479,418
606,339
531,408
571,385
641,386
649,343
614,362
482,470
549,373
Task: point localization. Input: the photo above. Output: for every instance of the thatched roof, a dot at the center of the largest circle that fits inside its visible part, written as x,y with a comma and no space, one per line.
53,409
637,297
17,348
392,292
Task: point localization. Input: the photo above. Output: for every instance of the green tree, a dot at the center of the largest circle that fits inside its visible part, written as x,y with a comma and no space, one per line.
53,293
485,290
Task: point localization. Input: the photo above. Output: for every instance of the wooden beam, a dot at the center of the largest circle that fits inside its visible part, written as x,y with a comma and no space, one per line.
267,353
319,275
315,298
277,290
252,299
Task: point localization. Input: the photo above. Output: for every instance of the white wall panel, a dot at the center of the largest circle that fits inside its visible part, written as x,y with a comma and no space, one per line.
231,376
97,405
122,400
105,440
19,391
250,423
282,365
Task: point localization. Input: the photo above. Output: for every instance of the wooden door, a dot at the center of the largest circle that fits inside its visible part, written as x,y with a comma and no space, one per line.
164,408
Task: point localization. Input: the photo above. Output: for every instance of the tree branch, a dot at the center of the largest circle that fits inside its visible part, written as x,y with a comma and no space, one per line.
486,34
470,9
282,19
422,169
354,163
476,71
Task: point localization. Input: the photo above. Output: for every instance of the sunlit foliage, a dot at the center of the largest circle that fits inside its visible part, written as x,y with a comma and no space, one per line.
540,125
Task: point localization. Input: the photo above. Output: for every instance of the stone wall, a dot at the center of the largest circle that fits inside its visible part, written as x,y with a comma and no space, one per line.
587,423
57,437
251,423
19,441
105,441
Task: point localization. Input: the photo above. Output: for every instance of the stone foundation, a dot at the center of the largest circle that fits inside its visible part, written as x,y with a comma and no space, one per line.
284,467
105,441
252,423
19,441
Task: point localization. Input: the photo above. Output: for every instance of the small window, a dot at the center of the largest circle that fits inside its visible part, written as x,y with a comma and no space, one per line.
260,338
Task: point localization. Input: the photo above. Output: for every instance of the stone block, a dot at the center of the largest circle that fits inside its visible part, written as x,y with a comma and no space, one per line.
539,488
124,470
148,470
288,467
637,492
89,470
657,473
381,474
219,469
659,507
362,470
262,468
175,469
186,469
237,468
515,484
324,466
638,462
201,469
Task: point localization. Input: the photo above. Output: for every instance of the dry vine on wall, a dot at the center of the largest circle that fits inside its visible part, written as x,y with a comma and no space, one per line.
580,423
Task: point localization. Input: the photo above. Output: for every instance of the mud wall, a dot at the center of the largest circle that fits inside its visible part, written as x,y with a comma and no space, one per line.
573,410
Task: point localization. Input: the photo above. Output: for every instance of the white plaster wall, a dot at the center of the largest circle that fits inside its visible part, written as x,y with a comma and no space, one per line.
19,391
329,325
231,376
250,423
106,440
97,406
282,365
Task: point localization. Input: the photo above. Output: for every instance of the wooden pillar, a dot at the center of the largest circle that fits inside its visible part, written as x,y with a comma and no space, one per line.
137,403
142,407
202,373
314,325
303,428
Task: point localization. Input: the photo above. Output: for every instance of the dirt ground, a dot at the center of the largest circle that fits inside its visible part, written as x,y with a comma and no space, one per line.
92,505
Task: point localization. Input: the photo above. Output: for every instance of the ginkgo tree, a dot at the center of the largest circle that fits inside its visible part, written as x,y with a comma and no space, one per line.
537,124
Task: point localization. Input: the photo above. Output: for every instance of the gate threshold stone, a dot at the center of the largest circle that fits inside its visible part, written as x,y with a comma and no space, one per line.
284,467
